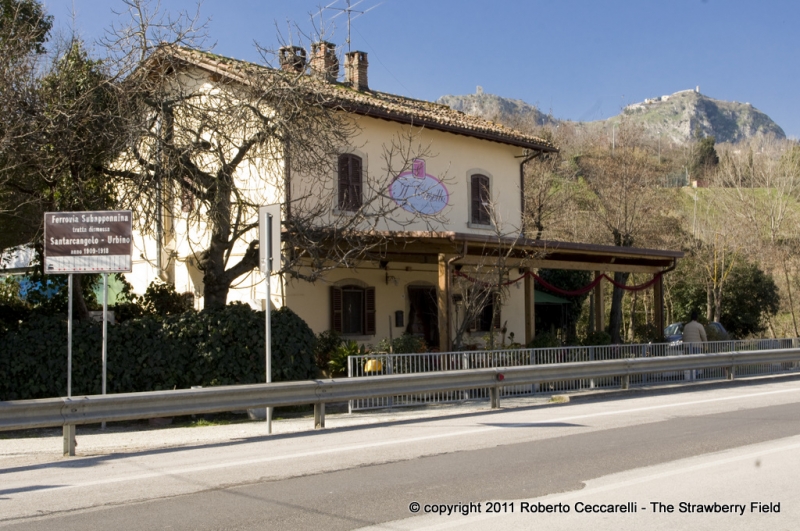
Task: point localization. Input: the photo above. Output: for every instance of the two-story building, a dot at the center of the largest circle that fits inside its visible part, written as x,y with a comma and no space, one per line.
458,203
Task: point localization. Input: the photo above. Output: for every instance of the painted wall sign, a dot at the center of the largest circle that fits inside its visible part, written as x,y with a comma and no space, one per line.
80,242
418,192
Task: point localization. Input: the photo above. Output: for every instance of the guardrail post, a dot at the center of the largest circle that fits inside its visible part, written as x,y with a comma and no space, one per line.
625,382
465,365
390,370
494,397
349,375
319,415
591,358
730,372
69,440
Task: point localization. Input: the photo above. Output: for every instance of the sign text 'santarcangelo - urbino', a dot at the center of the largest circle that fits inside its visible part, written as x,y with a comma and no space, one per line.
87,242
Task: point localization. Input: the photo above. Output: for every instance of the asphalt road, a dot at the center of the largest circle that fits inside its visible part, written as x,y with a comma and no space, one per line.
726,445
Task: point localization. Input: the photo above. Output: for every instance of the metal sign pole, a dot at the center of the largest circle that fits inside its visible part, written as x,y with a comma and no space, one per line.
69,338
105,335
269,234
268,337
267,313
69,429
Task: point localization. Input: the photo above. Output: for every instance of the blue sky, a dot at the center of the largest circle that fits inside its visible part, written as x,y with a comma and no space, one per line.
580,60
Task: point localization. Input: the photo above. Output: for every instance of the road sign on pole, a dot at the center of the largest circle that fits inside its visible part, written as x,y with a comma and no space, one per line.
269,237
87,242
269,248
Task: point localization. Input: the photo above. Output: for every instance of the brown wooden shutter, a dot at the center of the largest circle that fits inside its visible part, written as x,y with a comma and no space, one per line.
336,309
479,188
355,182
344,180
369,311
350,182
475,194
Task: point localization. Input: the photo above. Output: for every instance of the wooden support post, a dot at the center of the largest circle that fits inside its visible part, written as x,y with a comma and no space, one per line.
69,440
530,310
443,302
658,305
599,305
319,415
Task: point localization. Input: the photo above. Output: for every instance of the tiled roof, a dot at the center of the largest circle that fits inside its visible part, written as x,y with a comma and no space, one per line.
377,104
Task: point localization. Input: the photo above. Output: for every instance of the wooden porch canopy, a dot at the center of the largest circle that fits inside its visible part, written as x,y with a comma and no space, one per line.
450,249
473,249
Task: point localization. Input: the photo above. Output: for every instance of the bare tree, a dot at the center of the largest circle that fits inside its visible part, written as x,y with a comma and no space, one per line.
623,179
213,139
549,188
483,287
759,186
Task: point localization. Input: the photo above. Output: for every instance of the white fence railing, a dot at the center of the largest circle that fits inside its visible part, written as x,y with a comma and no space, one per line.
382,363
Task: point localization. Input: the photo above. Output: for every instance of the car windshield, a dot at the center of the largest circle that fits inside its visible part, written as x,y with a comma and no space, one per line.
674,328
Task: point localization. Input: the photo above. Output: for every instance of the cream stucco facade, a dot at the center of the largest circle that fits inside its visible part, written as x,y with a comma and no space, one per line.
387,150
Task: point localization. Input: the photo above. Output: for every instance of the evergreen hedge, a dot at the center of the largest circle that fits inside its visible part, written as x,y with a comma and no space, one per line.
210,347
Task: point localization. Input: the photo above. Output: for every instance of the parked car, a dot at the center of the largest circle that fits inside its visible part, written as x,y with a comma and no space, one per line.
673,334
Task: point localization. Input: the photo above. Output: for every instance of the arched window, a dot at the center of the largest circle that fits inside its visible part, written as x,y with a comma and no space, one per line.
353,310
480,199
350,182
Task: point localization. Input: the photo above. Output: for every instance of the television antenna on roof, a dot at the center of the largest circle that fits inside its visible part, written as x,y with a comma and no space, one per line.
349,12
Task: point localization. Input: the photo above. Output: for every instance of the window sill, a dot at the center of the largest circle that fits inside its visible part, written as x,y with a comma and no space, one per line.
480,226
339,212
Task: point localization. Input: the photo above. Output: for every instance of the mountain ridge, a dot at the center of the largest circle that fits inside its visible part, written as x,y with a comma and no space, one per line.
680,116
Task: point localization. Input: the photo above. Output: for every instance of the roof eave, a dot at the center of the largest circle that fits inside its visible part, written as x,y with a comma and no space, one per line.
438,126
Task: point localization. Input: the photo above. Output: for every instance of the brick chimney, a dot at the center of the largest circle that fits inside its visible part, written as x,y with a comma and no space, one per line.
324,63
355,70
292,59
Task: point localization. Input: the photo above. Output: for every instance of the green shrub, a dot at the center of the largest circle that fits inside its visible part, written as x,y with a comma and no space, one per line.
327,342
544,340
597,338
405,344
219,347
338,362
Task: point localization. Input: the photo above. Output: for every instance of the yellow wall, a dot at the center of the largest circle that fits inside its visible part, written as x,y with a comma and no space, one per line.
449,157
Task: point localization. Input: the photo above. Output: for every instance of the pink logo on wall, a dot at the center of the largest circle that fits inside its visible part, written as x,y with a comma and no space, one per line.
417,192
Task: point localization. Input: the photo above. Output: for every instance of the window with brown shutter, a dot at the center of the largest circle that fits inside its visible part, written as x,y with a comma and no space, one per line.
336,309
369,311
350,182
353,310
480,199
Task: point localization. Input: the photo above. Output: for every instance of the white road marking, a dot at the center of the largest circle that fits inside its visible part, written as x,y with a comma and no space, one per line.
411,440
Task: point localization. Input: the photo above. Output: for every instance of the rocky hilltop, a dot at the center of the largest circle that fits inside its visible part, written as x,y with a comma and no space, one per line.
677,116
513,113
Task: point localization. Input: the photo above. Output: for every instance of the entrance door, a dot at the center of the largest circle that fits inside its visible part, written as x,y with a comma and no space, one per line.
423,315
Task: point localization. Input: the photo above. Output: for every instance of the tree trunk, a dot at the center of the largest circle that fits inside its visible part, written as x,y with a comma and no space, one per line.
615,319
215,287
789,292
632,318
79,309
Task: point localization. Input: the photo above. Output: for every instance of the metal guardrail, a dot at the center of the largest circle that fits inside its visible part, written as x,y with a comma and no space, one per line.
66,412
374,364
